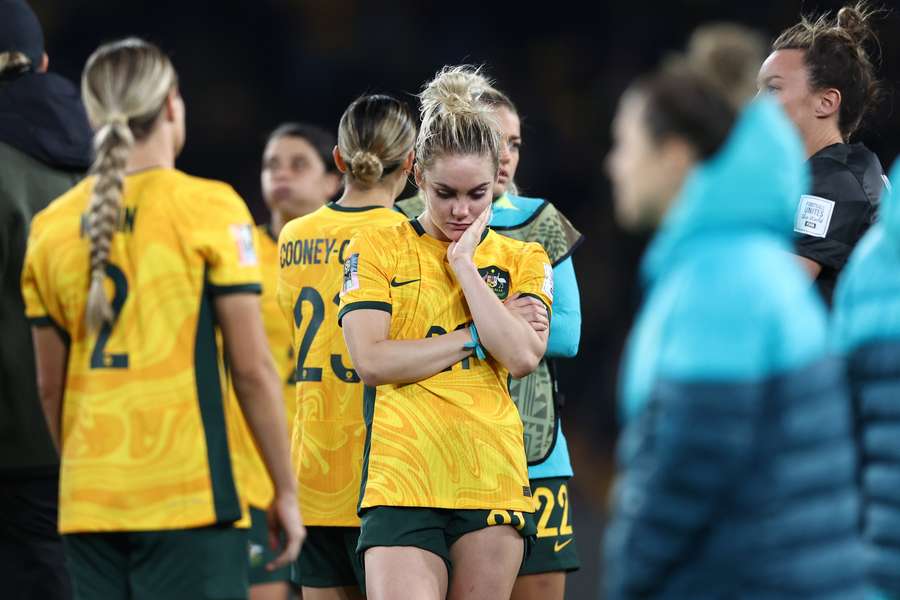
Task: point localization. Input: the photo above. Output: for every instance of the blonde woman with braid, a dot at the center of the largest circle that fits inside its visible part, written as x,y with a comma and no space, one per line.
375,153
127,354
445,501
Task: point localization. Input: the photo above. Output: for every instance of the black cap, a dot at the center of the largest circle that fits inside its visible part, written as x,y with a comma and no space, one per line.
20,31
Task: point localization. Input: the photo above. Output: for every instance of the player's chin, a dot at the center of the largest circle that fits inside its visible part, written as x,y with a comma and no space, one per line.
453,232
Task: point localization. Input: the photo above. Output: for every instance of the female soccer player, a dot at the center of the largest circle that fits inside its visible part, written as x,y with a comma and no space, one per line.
542,575
374,151
867,331
823,76
445,480
298,176
737,463
127,356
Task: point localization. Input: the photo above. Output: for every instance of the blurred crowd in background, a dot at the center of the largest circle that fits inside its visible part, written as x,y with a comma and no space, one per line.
247,66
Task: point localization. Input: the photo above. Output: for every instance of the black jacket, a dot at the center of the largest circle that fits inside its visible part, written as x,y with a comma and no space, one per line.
847,180
45,147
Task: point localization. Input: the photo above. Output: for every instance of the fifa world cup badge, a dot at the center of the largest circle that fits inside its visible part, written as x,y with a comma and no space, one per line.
351,274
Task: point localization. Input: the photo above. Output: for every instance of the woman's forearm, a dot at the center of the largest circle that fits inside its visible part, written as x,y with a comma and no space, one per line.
400,361
259,394
508,338
51,355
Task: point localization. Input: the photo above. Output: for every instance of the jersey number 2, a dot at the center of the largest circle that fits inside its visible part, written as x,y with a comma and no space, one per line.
302,372
99,358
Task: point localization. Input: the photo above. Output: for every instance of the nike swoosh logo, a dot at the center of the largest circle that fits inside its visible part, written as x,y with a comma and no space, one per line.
395,283
557,546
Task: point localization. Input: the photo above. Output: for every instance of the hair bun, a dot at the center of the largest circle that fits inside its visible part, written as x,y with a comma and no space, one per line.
854,20
728,57
366,167
456,91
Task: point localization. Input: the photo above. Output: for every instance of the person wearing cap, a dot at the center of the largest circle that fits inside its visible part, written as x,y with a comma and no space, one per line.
45,148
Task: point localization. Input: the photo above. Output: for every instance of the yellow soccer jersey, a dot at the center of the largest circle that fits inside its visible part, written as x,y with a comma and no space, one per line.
329,431
258,485
146,419
453,440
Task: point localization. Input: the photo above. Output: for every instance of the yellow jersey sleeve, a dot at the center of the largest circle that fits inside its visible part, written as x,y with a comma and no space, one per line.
227,239
535,275
41,306
367,275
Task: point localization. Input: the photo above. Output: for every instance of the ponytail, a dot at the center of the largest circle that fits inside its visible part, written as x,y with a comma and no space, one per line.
112,144
124,88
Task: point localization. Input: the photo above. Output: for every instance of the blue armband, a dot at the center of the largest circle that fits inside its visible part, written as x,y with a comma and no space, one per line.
475,344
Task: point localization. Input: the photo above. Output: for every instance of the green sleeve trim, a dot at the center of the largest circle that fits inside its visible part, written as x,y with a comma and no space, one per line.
364,304
244,288
530,295
47,321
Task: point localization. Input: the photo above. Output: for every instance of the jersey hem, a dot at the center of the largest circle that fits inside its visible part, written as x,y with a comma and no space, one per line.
438,506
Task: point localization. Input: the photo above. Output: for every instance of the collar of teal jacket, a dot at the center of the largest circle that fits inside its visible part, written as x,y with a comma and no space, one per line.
752,185
889,209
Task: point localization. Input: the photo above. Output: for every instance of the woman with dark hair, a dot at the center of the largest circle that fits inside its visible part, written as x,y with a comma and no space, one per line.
824,78
298,176
737,463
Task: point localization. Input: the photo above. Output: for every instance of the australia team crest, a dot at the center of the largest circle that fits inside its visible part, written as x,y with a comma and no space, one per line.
497,279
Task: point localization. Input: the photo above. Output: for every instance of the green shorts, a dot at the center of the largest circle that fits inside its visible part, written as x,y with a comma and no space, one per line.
554,546
329,559
204,563
434,529
259,553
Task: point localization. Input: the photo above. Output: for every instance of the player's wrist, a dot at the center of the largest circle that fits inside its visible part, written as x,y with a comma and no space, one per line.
461,264
286,490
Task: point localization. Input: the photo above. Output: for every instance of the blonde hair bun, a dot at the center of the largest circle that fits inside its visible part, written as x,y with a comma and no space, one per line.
456,91
366,167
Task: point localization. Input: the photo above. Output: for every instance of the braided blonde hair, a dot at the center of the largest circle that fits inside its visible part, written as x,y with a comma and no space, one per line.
124,87
457,118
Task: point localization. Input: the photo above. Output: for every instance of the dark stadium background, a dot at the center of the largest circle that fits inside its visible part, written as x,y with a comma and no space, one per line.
247,65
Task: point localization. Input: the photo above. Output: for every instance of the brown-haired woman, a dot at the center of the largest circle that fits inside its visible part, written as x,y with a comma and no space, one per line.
822,73
129,280
737,465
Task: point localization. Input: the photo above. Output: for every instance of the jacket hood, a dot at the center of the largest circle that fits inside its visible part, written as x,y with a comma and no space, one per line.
42,116
752,184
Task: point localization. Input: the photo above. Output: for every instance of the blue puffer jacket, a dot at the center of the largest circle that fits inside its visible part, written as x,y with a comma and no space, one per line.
737,461
867,330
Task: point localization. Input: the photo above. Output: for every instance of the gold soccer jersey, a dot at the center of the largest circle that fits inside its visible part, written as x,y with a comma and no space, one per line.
453,440
145,434
329,432
258,485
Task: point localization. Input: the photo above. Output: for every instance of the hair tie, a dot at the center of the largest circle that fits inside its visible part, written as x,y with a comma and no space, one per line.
117,118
